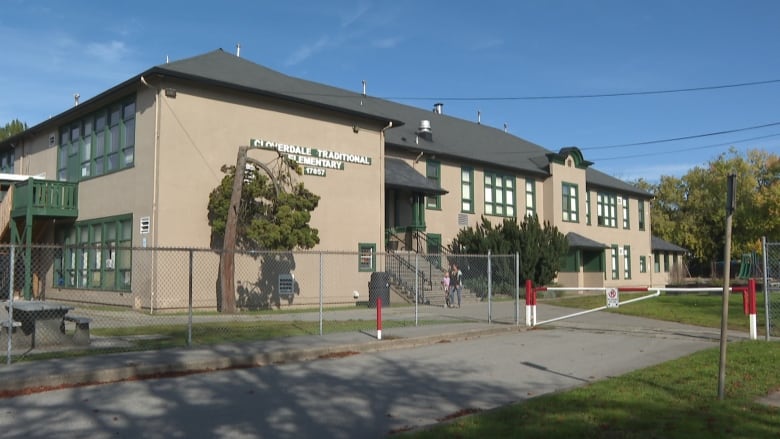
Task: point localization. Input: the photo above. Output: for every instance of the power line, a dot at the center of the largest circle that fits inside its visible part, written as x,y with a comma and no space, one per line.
655,153
583,96
695,136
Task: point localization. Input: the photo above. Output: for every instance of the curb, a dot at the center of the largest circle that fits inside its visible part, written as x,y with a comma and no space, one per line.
157,364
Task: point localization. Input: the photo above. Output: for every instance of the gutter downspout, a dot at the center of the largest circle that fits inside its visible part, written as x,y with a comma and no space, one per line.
155,188
382,203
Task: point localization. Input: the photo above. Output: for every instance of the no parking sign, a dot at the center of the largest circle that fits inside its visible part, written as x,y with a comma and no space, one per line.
613,299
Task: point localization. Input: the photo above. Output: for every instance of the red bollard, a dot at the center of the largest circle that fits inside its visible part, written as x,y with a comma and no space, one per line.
379,318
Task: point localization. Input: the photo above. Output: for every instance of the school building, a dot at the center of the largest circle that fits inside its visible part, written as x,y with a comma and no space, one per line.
134,167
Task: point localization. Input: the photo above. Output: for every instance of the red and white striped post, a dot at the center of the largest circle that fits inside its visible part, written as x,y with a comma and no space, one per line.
530,303
751,301
378,318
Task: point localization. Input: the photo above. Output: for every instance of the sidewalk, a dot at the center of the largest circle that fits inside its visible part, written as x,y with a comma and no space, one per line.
28,377
33,376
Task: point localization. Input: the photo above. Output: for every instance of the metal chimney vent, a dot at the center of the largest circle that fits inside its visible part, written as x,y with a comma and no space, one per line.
425,126
438,107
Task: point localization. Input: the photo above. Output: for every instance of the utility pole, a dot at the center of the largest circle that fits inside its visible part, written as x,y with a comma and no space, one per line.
731,206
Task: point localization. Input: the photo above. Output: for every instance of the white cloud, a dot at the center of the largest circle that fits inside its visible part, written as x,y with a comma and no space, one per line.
386,43
110,52
303,53
351,16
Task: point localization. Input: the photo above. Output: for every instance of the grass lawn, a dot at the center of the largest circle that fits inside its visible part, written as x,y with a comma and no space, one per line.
700,309
677,399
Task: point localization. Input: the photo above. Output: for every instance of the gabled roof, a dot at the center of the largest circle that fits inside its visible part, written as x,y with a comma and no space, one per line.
451,137
398,174
658,244
578,241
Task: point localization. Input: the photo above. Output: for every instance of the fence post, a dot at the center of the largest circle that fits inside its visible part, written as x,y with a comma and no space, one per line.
321,293
189,306
767,323
416,289
517,289
489,285
10,328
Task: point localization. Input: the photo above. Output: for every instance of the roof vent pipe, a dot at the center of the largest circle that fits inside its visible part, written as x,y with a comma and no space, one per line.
238,50
425,126
437,107
479,117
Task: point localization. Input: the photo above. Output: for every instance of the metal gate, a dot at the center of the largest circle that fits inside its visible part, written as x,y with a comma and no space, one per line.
771,265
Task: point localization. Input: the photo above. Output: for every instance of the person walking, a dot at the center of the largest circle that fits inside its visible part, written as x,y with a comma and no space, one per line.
456,284
445,286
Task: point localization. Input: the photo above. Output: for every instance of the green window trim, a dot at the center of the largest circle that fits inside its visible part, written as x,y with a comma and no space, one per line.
530,197
643,264
593,261
570,201
96,255
626,214
656,262
570,262
606,205
627,262
433,173
614,259
7,161
587,207
467,190
103,142
641,214
366,257
499,195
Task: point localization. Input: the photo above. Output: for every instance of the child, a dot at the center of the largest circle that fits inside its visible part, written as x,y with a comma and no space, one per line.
445,285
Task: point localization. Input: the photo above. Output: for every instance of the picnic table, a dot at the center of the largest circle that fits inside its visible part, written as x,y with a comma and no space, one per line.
42,322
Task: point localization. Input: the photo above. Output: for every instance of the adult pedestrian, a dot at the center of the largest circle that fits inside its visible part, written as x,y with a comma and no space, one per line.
456,285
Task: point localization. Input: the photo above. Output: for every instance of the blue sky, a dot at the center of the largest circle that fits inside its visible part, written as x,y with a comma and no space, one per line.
488,57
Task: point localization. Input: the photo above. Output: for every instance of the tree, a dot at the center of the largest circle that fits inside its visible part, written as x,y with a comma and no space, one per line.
12,128
267,211
540,247
690,211
266,220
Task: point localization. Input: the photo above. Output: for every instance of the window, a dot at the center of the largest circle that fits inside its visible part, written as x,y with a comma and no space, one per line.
656,262
666,262
530,197
626,218
366,257
570,262
615,269
587,207
606,205
499,195
433,172
627,262
467,190
96,255
570,202
7,161
641,214
100,143
643,264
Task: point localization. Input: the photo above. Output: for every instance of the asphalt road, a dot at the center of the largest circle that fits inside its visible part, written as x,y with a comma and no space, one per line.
367,395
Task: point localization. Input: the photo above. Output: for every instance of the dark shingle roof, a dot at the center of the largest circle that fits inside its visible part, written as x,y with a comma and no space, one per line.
451,137
578,241
658,244
399,174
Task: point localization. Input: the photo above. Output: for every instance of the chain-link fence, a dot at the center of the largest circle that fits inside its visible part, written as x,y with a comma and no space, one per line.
112,299
771,271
